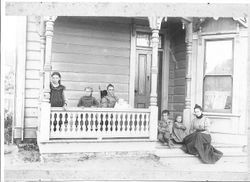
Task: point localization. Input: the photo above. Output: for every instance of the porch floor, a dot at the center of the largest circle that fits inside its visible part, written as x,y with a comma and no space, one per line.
165,164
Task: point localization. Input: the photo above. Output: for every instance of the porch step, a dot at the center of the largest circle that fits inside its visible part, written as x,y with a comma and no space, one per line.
233,155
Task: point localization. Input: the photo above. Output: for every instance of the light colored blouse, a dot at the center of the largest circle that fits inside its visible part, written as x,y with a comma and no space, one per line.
200,124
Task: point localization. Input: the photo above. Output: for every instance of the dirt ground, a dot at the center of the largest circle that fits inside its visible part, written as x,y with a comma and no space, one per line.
25,165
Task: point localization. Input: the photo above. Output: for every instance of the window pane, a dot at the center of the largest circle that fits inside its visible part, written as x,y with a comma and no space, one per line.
218,93
219,57
142,39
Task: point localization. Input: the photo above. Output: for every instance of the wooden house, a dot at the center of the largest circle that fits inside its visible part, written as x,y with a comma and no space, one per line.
155,63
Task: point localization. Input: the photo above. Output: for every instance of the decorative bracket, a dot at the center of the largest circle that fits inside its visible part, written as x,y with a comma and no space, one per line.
155,22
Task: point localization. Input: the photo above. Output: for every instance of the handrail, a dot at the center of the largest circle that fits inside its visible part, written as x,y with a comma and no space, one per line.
98,109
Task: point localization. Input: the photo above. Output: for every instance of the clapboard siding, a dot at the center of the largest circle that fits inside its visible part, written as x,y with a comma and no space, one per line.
90,59
31,122
31,93
91,68
92,53
93,29
93,78
31,80
177,75
90,41
90,50
72,86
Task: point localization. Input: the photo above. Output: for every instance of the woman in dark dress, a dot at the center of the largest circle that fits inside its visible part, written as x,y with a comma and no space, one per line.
57,96
198,142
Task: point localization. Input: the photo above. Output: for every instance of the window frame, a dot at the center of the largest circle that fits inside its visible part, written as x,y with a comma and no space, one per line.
205,40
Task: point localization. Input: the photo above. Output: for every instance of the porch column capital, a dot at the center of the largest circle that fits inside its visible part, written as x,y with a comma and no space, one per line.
155,22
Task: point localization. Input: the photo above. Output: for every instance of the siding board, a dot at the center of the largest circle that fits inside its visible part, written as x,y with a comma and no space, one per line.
31,93
90,68
90,41
90,59
92,50
93,78
31,112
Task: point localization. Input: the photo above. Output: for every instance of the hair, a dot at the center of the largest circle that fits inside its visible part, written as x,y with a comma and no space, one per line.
58,74
165,111
178,116
88,88
110,85
197,107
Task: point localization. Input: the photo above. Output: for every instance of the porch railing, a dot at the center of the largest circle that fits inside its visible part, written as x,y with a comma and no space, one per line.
99,123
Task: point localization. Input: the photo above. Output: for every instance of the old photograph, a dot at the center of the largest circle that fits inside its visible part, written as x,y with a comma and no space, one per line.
125,91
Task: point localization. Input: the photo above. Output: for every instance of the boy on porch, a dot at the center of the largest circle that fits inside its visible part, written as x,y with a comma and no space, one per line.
110,99
165,127
88,100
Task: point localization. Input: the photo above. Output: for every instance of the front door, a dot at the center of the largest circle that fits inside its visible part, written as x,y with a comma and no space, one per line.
142,78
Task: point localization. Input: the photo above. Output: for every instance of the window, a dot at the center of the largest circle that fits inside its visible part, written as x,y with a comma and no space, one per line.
144,40
218,76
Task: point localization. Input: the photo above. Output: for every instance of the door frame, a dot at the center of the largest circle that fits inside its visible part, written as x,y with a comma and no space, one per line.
165,64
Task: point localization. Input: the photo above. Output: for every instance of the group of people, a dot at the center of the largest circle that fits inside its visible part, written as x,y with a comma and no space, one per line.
58,98
196,141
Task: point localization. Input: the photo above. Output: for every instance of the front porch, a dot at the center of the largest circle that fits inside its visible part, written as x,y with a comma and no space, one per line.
150,61
146,86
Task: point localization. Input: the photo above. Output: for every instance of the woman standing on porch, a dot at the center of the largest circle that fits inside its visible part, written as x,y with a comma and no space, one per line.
57,96
198,142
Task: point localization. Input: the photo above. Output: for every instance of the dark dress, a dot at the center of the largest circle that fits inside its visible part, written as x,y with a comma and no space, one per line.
199,142
57,96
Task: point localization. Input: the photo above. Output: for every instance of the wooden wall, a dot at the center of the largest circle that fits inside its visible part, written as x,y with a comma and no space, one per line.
92,52
176,99
87,52
31,80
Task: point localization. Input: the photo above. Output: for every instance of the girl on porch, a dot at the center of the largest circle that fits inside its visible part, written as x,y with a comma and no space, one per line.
198,142
179,130
57,96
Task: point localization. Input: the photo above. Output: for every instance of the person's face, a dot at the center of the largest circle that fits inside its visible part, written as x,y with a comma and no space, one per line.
111,90
197,112
55,79
87,92
165,116
179,119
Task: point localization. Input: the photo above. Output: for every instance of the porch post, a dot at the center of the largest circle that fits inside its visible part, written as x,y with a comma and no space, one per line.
45,77
188,41
155,25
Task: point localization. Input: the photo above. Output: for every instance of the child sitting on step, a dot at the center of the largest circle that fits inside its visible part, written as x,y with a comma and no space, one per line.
165,127
179,129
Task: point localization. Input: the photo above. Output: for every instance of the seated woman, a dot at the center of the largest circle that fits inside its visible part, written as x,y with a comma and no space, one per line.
88,100
198,142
